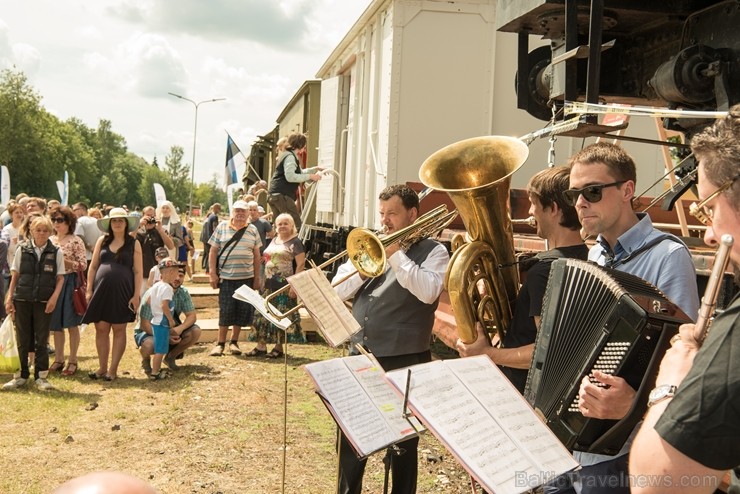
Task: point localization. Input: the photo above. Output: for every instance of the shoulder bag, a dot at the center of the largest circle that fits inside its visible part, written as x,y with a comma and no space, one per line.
79,296
232,242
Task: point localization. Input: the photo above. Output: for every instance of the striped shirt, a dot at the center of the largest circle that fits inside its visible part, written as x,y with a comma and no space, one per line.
240,263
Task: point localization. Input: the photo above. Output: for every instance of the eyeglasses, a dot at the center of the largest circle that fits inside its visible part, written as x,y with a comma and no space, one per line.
701,212
592,193
58,220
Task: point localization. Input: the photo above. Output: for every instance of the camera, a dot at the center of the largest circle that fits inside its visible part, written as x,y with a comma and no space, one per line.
151,221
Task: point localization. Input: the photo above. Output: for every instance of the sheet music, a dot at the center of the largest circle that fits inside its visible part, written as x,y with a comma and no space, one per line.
485,423
250,296
369,415
510,409
332,318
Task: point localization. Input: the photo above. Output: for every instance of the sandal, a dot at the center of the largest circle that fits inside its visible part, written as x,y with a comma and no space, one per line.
256,352
162,374
56,366
275,354
101,377
70,370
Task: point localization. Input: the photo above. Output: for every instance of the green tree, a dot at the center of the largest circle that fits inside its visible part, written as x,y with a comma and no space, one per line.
177,182
150,175
38,148
208,193
22,135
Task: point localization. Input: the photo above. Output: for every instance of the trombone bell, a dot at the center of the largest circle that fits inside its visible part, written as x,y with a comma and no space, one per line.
366,252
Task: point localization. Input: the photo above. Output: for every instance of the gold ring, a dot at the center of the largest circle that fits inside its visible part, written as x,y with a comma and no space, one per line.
675,338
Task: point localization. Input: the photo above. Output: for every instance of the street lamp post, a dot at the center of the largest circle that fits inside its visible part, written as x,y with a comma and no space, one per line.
195,133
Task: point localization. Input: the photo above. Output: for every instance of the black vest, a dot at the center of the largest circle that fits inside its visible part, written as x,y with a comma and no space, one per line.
37,277
279,184
394,322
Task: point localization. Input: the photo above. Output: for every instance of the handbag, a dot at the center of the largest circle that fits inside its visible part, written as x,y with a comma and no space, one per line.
79,296
10,361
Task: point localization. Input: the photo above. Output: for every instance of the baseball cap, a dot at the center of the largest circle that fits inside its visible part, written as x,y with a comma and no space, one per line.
240,205
168,262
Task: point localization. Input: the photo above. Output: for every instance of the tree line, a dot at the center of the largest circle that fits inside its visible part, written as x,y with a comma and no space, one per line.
37,147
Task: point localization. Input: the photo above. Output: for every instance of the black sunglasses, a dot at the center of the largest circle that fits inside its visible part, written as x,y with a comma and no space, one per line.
58,220
592,193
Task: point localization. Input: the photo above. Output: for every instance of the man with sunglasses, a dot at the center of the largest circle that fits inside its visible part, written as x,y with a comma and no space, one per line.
602,189
692,433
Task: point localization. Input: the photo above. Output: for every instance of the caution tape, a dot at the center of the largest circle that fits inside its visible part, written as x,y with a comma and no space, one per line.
579,107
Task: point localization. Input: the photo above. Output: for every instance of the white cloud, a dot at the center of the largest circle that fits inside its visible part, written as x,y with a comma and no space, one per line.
144,64
26,58
22,56
118,59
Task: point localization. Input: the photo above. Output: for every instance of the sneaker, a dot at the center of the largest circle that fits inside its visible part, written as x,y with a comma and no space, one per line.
146,366
217,351
15,383
43,384
234,349
169,361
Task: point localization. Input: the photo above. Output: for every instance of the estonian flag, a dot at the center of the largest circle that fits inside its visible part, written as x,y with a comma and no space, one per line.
231,151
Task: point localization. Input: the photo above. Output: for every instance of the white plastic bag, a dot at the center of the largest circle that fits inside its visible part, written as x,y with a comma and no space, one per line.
10,362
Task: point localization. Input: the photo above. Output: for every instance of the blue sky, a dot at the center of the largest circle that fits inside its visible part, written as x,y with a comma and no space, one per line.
118,59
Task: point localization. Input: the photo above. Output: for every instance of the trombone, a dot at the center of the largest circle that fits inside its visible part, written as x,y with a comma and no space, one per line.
366,250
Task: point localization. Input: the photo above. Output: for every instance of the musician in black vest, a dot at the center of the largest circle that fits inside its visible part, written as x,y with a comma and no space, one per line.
691,432
396,312
557,222
287,177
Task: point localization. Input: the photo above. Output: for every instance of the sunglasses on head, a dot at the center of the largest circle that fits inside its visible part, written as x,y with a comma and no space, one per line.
58,219
592,193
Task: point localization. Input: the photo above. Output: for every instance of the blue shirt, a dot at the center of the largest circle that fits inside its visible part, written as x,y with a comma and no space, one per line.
667,265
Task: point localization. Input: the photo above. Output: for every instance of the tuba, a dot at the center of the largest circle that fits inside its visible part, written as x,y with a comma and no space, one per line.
476,174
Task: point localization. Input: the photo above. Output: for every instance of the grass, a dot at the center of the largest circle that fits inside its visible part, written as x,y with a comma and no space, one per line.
214,426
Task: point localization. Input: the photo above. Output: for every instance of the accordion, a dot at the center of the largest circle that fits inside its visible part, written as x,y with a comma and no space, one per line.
595,318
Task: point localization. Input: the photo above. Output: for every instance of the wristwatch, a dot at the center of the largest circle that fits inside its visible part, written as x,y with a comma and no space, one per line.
660,393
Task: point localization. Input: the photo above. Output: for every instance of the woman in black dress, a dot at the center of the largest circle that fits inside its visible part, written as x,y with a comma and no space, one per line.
113,296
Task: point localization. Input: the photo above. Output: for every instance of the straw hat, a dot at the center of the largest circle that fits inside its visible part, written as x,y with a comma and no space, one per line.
133,221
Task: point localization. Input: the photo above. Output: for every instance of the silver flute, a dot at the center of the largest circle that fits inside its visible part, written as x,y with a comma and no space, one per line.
709,300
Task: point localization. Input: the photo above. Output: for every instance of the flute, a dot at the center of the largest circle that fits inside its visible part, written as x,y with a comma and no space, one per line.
709,300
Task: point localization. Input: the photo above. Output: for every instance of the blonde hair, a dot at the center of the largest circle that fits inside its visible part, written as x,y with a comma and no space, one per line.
288,217
41,221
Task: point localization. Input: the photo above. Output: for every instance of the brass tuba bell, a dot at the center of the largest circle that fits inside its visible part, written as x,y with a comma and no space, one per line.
476,174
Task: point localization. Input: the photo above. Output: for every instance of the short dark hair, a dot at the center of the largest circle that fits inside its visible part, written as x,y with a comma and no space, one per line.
296,141
409,198
547,187
70,218
80,205
620,164
718,149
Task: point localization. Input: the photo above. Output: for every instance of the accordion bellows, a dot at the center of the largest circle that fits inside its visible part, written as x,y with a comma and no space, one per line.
595,318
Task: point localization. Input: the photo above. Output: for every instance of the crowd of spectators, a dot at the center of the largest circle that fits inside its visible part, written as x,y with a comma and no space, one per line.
120,253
